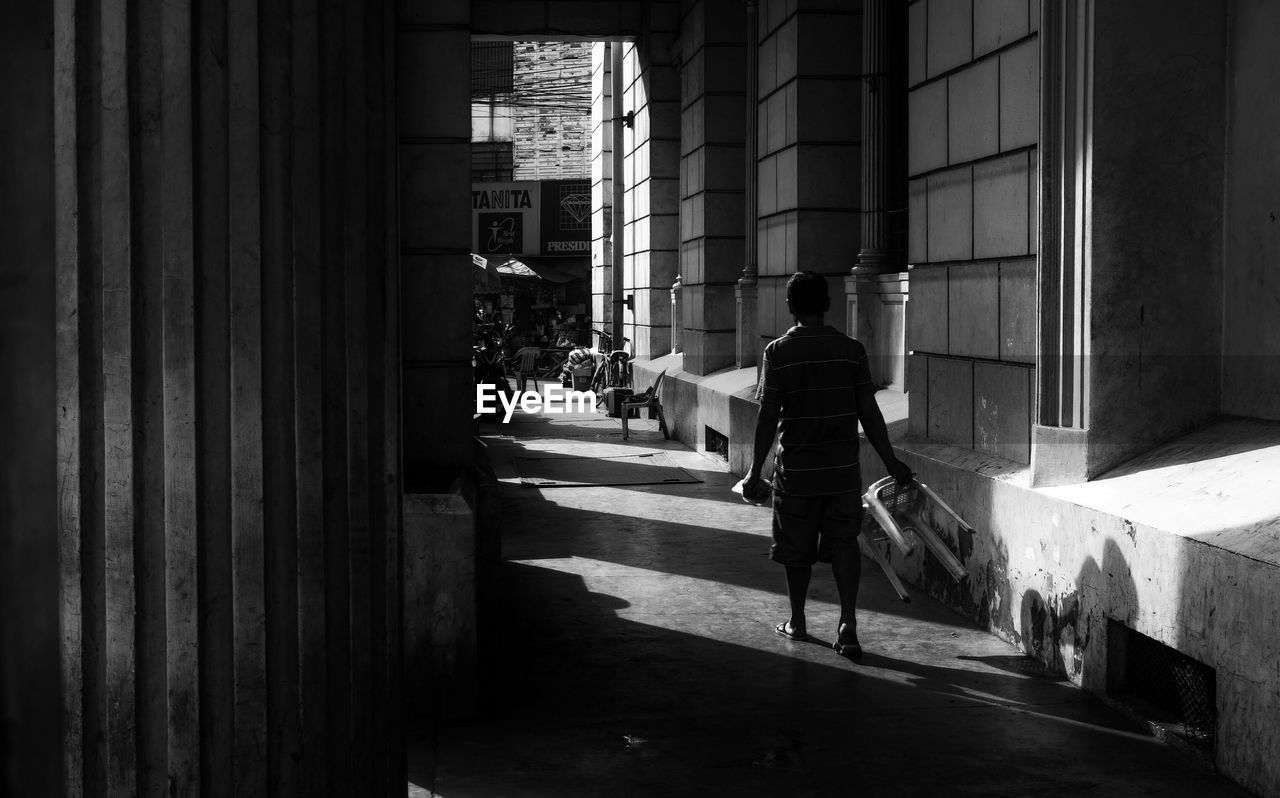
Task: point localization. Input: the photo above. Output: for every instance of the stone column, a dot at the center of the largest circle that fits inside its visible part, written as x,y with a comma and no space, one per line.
434,93
677,320
745,291
30,672
602,189
876,253
882,250
202,578
1059,435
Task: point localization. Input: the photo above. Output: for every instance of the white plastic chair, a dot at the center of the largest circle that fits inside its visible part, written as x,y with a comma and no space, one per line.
887,501
647,399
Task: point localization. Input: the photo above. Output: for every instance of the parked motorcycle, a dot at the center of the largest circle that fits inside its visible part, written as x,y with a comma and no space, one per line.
489,359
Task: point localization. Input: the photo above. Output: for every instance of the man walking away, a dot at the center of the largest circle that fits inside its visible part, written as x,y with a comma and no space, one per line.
814,389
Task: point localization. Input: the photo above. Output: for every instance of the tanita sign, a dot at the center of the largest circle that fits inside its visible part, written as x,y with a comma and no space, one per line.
533,217
500,198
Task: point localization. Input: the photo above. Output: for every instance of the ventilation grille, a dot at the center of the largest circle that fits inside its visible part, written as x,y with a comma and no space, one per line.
717,444
1171,688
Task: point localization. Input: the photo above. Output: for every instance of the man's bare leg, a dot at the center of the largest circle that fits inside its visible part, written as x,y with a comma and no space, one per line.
846,566
797,591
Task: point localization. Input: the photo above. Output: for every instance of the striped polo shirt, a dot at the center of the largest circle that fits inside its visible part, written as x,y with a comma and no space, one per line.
809,375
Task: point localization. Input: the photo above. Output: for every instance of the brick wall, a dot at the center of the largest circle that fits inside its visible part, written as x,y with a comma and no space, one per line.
973,133
552,127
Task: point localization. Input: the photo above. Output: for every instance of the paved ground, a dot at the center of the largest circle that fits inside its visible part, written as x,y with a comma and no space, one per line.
640,659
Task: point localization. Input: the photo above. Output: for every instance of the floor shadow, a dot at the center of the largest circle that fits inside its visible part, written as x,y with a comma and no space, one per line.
702,531
637,657
667,701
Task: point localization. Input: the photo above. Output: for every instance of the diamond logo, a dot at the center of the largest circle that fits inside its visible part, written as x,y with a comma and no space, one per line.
578,206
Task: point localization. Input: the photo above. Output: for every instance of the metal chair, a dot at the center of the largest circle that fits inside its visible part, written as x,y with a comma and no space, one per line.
647,399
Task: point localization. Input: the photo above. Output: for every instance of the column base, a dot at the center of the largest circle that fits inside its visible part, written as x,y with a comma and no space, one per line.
1059,456
875,315
677,319
745,349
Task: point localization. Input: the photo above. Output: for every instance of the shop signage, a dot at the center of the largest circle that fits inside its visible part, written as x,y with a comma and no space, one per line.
531,217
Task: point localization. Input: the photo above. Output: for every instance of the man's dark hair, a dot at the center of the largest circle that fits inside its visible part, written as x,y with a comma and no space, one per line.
807,293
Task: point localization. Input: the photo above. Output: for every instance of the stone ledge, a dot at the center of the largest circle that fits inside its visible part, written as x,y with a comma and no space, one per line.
1215,484
723,400
1181,544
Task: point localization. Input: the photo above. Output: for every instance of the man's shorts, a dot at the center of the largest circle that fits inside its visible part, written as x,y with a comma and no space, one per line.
806,529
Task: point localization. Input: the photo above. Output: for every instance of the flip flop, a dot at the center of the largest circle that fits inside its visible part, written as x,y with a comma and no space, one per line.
851,650
781,631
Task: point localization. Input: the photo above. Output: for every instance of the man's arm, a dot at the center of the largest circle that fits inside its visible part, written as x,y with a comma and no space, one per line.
878,434
766,429
767,394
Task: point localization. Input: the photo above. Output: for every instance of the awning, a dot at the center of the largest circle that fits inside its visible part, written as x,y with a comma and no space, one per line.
514,268
559,270
489,271
486,277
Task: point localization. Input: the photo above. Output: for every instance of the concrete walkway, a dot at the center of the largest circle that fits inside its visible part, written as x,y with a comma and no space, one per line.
640,659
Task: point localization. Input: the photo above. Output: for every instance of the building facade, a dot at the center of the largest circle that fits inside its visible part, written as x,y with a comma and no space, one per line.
244,296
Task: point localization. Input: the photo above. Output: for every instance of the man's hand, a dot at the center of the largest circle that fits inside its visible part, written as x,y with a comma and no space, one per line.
752,488
901,473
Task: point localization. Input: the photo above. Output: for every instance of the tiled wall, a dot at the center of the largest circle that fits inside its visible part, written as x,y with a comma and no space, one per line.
601,188
808,149
973,129
651,170
712,170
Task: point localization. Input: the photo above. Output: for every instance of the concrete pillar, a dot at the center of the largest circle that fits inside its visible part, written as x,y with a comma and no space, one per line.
808,152
1059,451
434,90
617,128
883,191
860,301
876,308
746,343
883,97
225,474
972,152
711,188
677,318
601,188
1120,368
651,170
441,606
31,689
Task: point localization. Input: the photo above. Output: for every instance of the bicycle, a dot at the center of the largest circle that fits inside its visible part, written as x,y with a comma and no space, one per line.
551,361
614,370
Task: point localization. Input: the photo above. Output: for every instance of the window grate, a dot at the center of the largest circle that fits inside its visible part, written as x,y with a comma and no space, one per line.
1179,691
716,443
492,68
492,161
